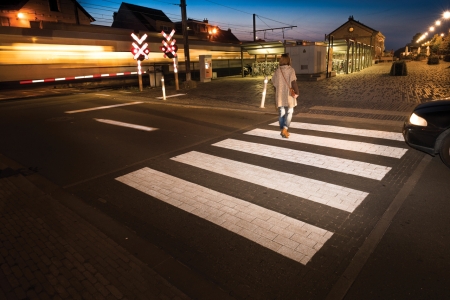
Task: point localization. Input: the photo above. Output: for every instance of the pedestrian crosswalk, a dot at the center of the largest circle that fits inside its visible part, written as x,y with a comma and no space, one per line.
287,236
334,143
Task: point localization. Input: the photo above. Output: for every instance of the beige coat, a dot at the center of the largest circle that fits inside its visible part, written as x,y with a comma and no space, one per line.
281,86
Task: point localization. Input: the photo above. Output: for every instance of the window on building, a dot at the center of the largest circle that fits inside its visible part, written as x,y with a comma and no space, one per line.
54,5
5,21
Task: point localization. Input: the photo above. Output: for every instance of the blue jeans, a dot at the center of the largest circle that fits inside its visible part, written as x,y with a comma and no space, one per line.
285,116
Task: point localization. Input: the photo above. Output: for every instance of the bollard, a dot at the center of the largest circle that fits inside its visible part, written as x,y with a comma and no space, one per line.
264,92
163,88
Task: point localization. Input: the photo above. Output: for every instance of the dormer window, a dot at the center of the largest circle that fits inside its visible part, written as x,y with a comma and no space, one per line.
54,5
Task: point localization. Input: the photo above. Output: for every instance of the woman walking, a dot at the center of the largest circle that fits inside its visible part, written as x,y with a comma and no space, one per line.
283,80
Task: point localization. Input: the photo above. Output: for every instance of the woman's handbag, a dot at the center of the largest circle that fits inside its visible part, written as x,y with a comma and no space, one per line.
291,90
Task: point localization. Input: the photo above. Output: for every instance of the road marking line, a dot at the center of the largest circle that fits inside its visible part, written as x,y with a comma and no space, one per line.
318,191
287,236
101,107
333,143
140,127
102,95
347,166
170,96
396,136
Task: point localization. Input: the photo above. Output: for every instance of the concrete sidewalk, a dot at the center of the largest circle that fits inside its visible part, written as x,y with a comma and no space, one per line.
47,251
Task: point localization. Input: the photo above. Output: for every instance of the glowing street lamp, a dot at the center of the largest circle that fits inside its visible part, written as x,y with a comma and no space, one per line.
446,15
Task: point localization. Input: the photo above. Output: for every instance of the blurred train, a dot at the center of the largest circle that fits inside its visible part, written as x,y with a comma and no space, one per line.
65,53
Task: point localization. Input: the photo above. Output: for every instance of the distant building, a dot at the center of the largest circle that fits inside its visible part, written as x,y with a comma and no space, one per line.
354,46
137,17
203,30
26,13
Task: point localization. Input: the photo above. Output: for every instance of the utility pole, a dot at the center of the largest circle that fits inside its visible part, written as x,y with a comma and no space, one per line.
254,27
186,39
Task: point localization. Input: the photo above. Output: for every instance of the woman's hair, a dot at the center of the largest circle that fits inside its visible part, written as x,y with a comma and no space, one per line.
285,59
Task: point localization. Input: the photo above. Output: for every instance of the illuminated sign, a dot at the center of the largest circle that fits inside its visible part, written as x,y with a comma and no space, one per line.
169,48
140,50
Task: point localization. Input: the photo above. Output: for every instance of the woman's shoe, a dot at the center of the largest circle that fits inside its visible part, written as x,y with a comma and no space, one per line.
284,133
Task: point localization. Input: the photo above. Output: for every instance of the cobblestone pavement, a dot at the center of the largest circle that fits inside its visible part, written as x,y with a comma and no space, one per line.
370,89
48,252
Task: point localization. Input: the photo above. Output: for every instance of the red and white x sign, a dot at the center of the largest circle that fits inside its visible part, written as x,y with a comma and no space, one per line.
140,50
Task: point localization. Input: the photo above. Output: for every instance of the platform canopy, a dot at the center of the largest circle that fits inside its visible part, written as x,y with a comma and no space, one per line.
269,48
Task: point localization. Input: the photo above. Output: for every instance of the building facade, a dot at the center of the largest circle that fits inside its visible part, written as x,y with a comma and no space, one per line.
25,13
354,46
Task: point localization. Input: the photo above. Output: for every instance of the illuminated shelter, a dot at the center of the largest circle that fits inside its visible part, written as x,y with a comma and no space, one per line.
268,49
353,47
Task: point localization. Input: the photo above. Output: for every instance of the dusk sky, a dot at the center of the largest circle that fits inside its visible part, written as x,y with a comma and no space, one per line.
397,20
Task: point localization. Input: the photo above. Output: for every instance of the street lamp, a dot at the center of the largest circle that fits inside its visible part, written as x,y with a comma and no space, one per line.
446,15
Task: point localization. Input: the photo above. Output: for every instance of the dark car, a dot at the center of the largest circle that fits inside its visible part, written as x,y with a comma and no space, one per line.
428,129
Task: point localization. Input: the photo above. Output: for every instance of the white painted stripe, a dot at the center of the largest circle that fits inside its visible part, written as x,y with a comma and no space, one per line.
101,107
289,237
104,75
117,123
176,95
318,191
102,95
396,136
60,79
347,166
333,143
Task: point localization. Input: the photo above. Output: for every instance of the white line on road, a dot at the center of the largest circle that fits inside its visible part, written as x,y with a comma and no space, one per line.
333,143
101,107
347,166
170,96
289,237
140,127
318,191
396,136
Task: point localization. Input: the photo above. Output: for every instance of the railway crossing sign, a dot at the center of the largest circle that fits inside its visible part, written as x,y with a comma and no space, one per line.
140,52
139,49
170,51
169,48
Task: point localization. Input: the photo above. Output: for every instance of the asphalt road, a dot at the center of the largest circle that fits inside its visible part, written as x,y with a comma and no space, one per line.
391,243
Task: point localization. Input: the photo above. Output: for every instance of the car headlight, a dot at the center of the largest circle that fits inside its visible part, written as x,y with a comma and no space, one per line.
416,120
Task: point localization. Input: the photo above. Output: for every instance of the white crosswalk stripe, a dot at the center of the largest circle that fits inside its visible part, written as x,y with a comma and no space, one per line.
318,191
287,236
334,143
396,136
347,166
